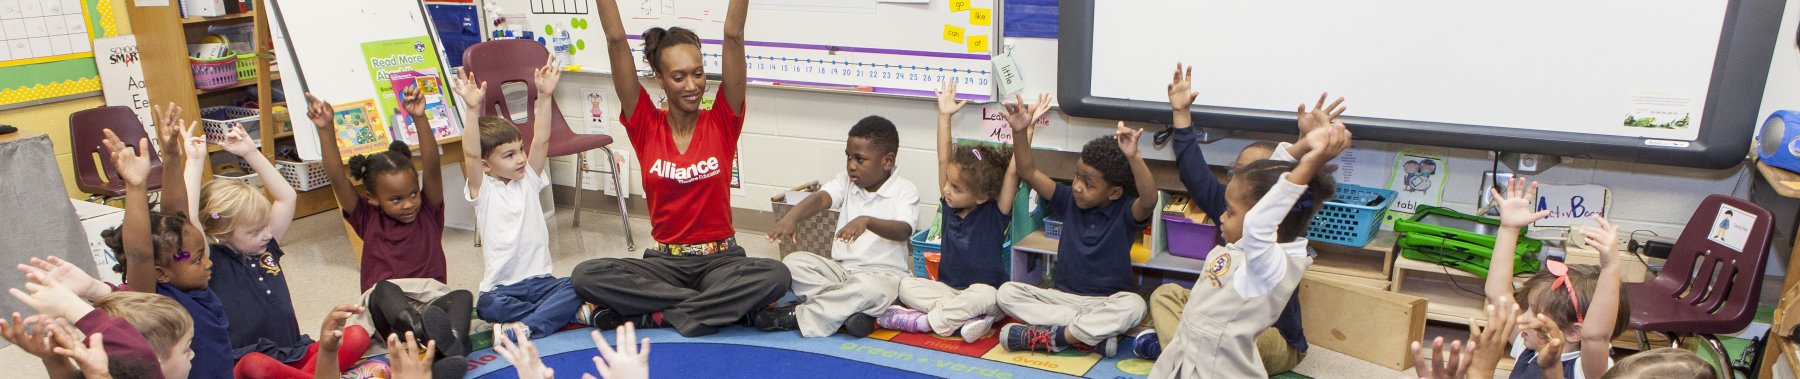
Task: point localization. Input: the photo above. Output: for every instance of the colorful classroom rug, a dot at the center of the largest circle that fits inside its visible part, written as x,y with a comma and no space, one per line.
745,352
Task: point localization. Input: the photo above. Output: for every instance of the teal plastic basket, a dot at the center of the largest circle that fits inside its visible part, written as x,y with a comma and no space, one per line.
1352,216
920,247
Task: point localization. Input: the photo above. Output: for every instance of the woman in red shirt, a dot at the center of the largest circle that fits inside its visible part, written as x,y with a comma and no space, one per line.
696,278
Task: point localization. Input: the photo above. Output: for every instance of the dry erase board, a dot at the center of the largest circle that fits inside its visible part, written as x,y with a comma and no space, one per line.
886,47
1670,82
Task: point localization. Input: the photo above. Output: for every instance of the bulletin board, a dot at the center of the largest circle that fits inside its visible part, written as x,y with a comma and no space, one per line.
46,49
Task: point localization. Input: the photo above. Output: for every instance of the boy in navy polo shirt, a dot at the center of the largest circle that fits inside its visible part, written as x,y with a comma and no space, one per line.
1093,299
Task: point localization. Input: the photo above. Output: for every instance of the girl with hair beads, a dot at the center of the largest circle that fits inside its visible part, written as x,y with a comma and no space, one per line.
1246,283
978,184
245,228
1580,301
400,219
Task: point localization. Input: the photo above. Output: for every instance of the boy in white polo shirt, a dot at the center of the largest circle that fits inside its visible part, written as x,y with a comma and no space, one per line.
863,275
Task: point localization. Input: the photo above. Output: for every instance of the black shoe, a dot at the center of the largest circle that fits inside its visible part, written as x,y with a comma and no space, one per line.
1021,337
777,318
651,321
388,310
604,318
458,305
437,325
452,367
859,325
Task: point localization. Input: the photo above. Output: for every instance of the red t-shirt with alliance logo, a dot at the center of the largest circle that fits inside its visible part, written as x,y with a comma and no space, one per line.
689,193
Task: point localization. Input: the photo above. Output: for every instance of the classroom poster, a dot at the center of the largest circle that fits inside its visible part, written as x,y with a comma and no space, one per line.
1419,178
1572,205
1731,227
359,129
416,55
122,76
432,88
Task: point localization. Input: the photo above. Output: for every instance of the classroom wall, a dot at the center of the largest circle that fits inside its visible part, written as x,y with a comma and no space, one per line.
794,136
53,118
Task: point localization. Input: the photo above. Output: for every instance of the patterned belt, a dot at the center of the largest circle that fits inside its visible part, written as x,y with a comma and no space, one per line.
703,248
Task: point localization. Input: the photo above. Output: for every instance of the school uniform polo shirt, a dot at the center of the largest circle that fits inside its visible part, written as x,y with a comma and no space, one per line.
973,246
254,292
1093,258
896,200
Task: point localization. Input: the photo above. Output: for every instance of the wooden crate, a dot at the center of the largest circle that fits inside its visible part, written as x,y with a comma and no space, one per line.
1368,324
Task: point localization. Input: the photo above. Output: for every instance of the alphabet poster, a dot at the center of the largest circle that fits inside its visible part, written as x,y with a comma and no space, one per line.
122,76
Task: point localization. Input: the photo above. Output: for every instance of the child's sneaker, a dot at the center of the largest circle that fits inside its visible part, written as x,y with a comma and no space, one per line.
437,328
1107,349
1021,337
601,318
778,318
978,328
859,325
1146,345
650,320
905,320
585,314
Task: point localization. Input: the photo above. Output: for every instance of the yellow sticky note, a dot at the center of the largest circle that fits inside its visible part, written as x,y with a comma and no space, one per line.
959,5
953,33
981,16
978,44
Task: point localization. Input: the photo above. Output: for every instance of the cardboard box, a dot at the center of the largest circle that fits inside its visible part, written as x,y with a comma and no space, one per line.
1365,323
94,219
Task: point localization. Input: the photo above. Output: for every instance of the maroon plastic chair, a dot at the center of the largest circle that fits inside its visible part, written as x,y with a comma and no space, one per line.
86,139
1705,287
500,62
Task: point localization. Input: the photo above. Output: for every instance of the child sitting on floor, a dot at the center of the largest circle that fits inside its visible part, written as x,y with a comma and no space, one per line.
505,182
977,185
863,275
1094,299
1245,284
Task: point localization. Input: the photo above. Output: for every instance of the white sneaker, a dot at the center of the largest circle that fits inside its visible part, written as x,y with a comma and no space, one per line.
978,328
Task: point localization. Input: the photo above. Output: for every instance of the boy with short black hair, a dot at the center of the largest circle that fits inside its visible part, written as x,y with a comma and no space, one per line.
1094,298
863,275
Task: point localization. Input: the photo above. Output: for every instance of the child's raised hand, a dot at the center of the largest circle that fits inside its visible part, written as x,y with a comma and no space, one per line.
90,357
238,142
1488,345
469,89
171,132
1320,115
1128,139
1604,238
56,271
133,166
946,98
1549,348
521,352
1325,143
53,300
415,102
627,361
332,331
31,334
1515,206
1435,365
546,77
1181,89
1021,116
407,359
321,114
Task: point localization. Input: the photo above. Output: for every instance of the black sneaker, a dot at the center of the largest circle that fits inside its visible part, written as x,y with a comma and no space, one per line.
437,326
651,320
859,325
452,367
1021,337
604,318
776,318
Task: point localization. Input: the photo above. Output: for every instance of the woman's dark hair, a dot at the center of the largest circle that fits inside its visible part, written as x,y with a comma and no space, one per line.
983,166
1262,175
165,239
364,167
658,38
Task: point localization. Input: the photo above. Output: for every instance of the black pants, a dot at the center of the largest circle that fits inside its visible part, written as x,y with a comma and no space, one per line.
697,294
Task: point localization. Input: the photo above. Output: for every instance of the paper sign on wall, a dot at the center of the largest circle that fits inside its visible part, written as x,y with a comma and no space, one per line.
959,5
1572,205
122,76
953,33
994,126
1007,74
981,16
1419,178
1731,227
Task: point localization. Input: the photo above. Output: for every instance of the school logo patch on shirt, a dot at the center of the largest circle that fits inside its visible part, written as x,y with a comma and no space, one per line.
1216,269
268,264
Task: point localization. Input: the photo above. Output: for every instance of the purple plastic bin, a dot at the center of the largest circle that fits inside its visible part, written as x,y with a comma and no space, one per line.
1188,238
